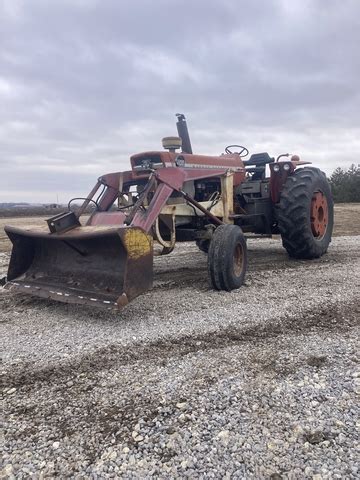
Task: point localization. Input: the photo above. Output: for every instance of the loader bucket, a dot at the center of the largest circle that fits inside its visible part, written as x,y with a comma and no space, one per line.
99,266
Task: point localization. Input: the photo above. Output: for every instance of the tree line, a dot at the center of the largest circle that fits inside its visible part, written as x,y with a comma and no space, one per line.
345,184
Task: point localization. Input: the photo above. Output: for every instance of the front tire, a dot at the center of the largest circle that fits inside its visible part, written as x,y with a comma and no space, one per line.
305,214
227,258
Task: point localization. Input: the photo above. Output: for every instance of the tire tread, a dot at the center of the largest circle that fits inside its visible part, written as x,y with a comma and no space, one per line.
293,214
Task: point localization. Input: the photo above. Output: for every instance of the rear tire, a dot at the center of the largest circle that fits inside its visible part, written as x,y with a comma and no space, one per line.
227,258
305,214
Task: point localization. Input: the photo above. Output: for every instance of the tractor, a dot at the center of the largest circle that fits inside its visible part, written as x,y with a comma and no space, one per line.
105,259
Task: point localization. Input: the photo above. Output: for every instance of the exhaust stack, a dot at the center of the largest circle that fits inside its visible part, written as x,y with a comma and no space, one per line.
183,133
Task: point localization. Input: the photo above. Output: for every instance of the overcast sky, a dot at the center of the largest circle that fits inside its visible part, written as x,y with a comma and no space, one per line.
86,83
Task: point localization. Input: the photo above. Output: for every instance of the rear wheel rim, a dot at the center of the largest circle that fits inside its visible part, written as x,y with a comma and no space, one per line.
238,260
319,215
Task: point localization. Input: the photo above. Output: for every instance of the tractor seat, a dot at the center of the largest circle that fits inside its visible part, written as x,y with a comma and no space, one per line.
259,159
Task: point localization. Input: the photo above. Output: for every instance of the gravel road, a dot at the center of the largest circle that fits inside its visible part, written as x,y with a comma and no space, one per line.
187,382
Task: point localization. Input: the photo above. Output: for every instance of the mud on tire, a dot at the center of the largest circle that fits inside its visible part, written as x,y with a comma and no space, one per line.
305,214
227,258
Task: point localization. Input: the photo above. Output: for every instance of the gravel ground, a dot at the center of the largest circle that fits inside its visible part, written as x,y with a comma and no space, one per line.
187,382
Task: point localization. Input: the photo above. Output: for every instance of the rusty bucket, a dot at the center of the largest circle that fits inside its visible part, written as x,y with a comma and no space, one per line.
99,266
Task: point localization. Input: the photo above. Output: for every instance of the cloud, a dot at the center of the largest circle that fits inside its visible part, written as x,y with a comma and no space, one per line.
84,84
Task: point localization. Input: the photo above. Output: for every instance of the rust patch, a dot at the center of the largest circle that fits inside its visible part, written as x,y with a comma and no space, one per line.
138,244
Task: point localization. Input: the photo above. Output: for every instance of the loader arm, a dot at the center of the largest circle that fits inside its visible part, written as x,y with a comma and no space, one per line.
165,182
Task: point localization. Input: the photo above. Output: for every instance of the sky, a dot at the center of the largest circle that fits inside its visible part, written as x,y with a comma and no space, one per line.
86,83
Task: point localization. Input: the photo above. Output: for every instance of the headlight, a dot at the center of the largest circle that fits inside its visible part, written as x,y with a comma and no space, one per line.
146,163
180,161
286,166
276,167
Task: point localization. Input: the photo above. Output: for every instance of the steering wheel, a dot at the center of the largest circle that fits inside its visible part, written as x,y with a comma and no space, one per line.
240,153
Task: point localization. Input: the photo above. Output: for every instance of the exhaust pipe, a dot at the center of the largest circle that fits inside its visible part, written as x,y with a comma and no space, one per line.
183,133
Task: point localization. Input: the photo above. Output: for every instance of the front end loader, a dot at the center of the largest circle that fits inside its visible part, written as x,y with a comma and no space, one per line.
106,259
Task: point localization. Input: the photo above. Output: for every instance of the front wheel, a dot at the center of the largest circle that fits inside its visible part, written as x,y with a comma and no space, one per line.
227,258
305,214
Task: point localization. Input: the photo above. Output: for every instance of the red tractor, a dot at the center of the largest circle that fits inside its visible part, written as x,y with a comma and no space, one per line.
169,196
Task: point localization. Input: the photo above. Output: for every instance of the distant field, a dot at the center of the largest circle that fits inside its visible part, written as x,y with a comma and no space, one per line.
347,219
